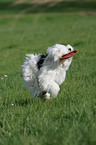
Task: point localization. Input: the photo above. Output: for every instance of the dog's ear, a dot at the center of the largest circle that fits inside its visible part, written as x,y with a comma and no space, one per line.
53,52
55,58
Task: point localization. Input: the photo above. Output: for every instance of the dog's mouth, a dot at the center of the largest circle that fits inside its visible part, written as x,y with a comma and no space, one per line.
68,55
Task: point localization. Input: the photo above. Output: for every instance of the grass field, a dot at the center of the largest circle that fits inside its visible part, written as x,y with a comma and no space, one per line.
70,119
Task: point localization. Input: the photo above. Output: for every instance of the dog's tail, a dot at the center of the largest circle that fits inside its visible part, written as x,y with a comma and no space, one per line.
30,73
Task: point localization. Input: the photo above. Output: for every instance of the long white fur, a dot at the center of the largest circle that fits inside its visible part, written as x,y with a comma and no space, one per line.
50,75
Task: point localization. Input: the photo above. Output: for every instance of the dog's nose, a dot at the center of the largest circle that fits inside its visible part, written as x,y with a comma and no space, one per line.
69,49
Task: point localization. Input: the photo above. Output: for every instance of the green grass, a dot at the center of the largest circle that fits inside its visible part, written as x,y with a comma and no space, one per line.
70,119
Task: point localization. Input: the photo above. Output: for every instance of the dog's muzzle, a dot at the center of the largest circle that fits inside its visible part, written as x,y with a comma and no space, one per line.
68,55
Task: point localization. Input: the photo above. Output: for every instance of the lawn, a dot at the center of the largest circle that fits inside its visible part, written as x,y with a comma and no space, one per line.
69,119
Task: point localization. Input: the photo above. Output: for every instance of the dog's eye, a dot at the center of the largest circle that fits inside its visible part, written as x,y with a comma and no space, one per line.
69,49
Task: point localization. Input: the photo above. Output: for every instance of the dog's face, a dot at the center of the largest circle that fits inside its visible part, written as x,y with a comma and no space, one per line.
61,54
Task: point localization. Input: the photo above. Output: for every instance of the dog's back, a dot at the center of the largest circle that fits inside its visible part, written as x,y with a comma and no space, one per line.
41,61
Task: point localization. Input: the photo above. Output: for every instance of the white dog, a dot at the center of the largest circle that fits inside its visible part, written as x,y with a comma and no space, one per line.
42,74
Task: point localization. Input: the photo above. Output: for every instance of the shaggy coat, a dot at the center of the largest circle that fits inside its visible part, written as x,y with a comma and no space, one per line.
42,74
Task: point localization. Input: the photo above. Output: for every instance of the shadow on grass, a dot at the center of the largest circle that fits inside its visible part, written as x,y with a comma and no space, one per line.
63,6
26,101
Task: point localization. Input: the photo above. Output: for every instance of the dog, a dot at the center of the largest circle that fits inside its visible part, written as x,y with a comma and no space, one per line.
42,74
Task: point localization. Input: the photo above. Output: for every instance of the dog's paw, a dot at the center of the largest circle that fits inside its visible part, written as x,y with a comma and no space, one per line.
45,96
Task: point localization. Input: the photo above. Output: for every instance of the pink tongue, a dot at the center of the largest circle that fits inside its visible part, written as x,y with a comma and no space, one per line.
68,55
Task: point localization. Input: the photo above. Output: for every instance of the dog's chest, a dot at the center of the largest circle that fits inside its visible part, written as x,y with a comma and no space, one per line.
60,75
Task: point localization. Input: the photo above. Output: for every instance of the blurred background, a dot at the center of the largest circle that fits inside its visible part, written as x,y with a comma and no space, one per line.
48,6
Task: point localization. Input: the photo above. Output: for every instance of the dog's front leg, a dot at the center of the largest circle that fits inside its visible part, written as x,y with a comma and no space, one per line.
49,86
53,88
